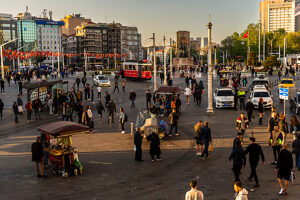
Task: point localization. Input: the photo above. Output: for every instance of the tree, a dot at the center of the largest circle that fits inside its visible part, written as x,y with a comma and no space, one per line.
39,59
271,62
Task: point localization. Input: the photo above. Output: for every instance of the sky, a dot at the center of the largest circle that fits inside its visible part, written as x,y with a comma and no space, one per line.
162,17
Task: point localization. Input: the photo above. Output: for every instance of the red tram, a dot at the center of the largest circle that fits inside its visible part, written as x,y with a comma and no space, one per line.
136,71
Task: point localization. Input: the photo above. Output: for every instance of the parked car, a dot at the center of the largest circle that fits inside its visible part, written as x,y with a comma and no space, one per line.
101,80
261,81
260,91
223,98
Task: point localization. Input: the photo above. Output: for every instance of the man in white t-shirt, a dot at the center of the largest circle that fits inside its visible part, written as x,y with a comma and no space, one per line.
194,194
99,89
187,93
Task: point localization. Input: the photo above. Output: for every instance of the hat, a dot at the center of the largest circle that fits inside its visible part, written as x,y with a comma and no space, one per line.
239,133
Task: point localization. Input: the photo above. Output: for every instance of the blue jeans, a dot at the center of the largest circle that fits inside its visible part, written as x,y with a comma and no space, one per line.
132,103
46,158
205,151
171,128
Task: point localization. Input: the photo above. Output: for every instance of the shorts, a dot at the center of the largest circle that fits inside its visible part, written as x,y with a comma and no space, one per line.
199,141
284,174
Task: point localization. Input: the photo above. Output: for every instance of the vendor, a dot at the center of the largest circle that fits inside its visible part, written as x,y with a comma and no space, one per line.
66,141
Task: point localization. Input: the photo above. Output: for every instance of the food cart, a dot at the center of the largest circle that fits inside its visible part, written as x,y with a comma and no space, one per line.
62,156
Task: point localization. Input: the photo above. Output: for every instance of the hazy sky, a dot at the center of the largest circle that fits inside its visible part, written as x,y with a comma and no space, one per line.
163,17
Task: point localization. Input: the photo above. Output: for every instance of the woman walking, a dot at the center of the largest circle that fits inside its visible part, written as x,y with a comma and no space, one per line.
122,120
260,110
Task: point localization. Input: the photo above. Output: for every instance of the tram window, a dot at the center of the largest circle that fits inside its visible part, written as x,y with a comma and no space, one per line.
130,67
134,67
126,67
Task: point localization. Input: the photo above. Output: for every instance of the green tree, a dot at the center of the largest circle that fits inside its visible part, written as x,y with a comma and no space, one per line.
271,62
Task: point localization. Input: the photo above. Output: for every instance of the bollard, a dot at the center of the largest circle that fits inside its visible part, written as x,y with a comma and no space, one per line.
131,128
109,118
10,111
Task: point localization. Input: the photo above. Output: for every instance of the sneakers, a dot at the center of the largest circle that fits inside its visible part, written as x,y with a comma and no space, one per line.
177,134
282,192
123,132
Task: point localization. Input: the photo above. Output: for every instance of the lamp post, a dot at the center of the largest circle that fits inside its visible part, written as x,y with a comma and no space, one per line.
171,67
154,62
165,63
1,49
209,110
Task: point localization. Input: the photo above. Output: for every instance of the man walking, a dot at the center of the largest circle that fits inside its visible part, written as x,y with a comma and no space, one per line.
206,138
254,151
242,96
100,108
2,86
29,110
111,110
239,160
148,98
284,168
116,85
132,97
99,89
173,121
199,143
249,109
194,194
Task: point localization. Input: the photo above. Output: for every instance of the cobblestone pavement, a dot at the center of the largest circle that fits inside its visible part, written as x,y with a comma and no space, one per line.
110,171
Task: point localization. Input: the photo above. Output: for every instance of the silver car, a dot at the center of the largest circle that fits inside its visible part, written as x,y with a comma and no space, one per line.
101,80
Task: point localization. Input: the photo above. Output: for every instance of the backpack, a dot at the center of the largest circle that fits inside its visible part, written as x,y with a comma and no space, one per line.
125,118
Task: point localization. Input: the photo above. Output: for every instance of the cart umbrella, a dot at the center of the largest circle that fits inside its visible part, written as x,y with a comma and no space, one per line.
64,128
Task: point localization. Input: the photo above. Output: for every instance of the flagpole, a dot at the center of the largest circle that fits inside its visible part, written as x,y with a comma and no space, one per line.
248,49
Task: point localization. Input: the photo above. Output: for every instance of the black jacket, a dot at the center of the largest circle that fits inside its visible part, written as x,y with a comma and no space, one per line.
254,151
296,147
285,160
238,156
249,106
100,108
271,124
138,139
132,96
37,152
206,134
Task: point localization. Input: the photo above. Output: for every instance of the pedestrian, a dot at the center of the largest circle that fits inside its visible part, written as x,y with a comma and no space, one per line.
20,104
123,84
90,121
174,122
87,92
64,111
122,120
38,157
69,112
36,107
1,108
154,146
260,110
295,127
116,85
83,81
29,110
242,96
187,93
107,99
99,89
16,112
161,75
45,140
111,110
249,109
239,160
77,82
245,81
50,104
283,127
100,108
132,98
240,192
238,138
254,151
148,98
206,138
199,143
194,194
80,112
284,169
296,151
138,140
198,95
20,87
2,86
242,124
272,123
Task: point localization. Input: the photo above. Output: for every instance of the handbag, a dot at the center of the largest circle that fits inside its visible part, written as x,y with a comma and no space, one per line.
292,177
210,148
20,109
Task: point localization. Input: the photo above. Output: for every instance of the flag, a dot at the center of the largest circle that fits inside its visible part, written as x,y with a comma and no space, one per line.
246,35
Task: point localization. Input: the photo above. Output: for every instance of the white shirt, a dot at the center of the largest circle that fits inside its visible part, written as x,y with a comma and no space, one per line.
99,89
194,194
187,91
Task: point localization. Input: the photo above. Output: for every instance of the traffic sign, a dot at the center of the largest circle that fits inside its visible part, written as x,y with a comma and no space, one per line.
284,93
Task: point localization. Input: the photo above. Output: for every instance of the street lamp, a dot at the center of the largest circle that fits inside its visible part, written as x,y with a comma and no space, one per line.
1,49
210,110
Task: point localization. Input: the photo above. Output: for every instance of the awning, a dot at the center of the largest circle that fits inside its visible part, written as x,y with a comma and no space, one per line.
63,128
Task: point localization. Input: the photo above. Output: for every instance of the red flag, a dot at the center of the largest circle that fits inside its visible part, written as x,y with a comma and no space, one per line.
246,35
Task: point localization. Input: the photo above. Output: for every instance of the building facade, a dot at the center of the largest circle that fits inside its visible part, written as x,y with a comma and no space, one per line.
8,30
195,45
71,22
297,18
114,38
277,14
205,42
131,42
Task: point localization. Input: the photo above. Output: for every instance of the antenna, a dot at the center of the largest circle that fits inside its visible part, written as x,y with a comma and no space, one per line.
26,9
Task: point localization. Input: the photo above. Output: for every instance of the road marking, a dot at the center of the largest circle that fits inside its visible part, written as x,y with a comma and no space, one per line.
103,163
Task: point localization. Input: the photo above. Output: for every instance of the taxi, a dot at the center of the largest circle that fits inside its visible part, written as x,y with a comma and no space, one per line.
286,83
